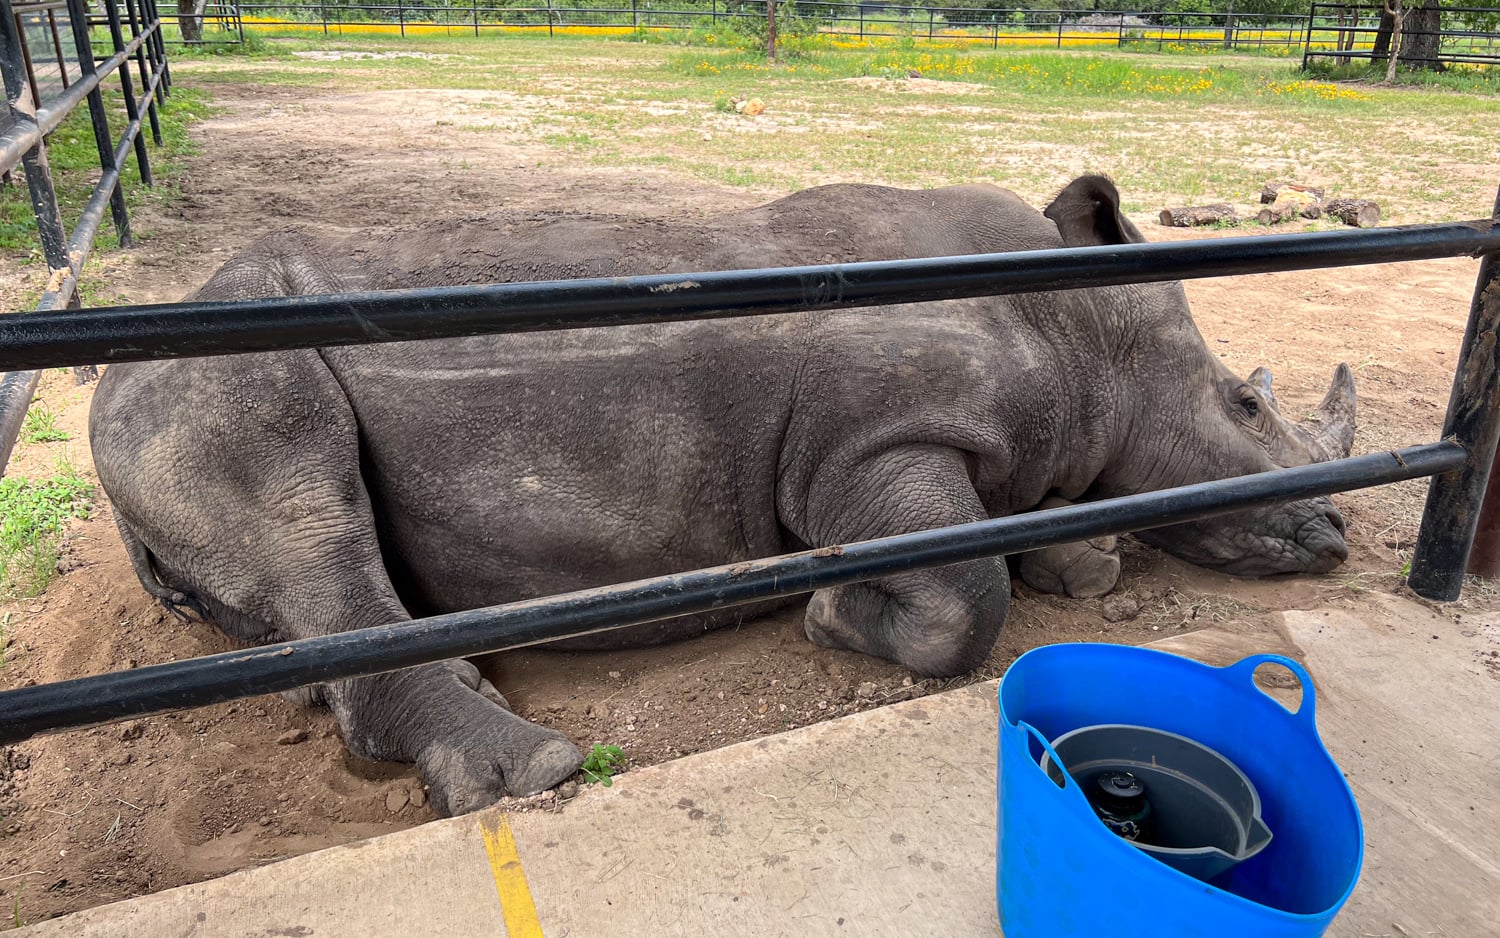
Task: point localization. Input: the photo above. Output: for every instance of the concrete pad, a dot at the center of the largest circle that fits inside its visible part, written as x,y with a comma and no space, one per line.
883,823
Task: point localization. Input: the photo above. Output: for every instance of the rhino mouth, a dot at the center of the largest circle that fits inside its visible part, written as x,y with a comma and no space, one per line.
1303,537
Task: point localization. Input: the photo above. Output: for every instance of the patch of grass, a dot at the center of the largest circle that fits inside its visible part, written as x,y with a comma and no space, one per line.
33,513
600,764
40,425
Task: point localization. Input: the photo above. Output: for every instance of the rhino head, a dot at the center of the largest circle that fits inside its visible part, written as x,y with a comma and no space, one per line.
1182,417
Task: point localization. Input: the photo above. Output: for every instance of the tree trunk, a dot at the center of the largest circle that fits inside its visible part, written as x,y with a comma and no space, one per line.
190,19
1419,44
1382,48
1398,16
1361,213
1198,215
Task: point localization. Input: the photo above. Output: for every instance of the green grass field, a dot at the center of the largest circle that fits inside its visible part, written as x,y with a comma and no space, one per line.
1165,127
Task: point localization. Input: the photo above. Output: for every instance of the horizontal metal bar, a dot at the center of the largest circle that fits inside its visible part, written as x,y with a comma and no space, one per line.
214,678
26,131
178,330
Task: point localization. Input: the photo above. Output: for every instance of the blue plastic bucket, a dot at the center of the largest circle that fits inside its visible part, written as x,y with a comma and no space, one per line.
1061,872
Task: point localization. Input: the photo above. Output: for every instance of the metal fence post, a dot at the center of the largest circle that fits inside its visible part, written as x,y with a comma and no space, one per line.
1059,28
476,18
152,21
133,18
549,18
127,91
78,17
1456,500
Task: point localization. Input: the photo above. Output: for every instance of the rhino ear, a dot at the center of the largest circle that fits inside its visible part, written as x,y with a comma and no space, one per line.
1087,213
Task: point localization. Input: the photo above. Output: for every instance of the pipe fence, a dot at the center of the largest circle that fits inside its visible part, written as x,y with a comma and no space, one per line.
1459,464
1364,32
37,103
1342,31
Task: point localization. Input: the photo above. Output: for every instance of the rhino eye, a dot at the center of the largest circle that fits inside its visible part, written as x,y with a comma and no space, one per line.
1251,407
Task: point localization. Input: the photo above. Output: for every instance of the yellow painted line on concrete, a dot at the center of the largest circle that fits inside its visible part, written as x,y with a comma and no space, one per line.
510,880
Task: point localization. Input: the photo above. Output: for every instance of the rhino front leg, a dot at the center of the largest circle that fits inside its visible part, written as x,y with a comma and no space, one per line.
938,622
1082,569
271,528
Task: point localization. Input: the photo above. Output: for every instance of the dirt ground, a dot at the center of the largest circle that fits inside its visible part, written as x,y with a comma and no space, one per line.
99,815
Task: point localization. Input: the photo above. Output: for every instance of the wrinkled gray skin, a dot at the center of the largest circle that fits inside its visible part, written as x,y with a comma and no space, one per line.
300,493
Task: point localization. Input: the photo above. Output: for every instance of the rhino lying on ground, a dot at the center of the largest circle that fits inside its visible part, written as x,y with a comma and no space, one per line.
300,493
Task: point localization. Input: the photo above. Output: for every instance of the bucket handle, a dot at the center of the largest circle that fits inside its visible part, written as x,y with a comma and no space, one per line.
1306,709
1069,786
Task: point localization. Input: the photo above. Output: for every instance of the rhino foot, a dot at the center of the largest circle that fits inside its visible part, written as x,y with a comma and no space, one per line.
1082,570
469,776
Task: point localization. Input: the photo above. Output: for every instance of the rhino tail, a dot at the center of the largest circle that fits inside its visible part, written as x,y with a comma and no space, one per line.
180,604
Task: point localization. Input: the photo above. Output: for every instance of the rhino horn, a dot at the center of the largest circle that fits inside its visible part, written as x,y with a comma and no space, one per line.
1330,428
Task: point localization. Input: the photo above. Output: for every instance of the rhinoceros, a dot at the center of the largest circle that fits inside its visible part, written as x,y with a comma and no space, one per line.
300,493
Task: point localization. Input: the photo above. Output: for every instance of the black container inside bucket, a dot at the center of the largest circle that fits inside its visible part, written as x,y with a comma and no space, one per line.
1204,814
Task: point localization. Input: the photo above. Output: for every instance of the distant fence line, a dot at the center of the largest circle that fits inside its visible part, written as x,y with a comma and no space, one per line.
1346,31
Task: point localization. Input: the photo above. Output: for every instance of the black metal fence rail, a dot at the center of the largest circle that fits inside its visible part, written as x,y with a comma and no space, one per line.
955,25
174,330
1358,29
1459,465
212,679
134,40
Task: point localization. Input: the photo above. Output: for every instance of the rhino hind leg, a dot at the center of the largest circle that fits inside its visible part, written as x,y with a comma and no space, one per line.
1082,569
271,529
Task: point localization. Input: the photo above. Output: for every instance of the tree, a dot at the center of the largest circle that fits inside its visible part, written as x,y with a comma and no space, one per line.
1410,39
190,19
1419,47
1397,13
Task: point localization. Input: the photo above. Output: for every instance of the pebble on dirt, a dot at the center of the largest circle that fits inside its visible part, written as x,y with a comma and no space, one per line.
291,737
1120,608
132,730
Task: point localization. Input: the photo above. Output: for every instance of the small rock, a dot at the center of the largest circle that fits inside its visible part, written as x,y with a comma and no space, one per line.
866,690
123,758
597,711
614,674
418,796
292,737
794,683
264,821
35,609
1120,608
906,681
567,790
234,828
396,800
21,761
132,730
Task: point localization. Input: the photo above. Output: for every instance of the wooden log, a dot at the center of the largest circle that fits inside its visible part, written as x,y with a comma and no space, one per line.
1276,214
1198,215
1361,213
1272,189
